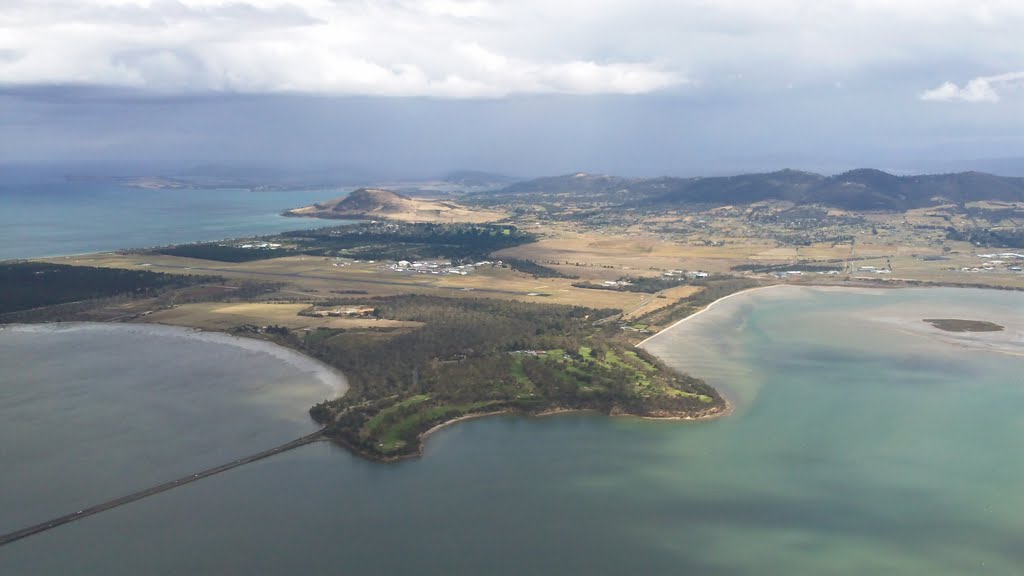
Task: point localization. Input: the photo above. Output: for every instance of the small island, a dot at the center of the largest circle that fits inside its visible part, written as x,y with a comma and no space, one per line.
957,325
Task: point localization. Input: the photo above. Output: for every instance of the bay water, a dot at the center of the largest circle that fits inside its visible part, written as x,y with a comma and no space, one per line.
95,411
862,440
56,219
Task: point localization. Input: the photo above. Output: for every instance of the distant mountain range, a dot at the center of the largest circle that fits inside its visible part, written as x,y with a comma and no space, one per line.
862,189
478,179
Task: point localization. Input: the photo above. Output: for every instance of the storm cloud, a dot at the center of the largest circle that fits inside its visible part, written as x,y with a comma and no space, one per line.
682,86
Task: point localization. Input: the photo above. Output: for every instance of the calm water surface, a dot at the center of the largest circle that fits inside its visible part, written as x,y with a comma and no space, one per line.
89,412
38,220
863,441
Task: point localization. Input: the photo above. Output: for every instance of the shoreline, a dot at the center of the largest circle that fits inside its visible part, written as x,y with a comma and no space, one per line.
423,437
728,409
703,310
327,223
881,285
426,434
318,369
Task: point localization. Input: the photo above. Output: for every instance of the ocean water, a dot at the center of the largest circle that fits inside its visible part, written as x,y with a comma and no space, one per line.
862,441
56,219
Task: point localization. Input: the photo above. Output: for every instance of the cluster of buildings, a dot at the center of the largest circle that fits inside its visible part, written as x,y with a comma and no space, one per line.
260,245
1006,255
437,268
685,274
348,312
1001,262
787,273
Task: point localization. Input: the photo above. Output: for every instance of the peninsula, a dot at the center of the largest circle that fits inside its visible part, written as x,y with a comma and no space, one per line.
532,298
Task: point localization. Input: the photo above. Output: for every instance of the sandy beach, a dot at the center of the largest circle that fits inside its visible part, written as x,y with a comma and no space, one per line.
703,310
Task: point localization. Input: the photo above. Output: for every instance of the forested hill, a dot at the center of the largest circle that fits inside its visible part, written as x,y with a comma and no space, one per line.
862,189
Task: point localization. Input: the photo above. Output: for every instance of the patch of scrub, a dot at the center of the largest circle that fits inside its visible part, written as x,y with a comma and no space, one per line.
957,325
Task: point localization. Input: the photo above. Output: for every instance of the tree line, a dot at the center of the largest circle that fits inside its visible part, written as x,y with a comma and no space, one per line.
27,285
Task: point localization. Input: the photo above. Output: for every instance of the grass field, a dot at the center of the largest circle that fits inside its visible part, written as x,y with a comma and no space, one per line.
306,278
663,299
720,243
635,254
222,316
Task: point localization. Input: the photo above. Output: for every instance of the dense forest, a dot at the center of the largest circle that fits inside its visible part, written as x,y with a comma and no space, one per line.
989,237
476,355
369,241
535,269
224,252
645,284
417,241
29,285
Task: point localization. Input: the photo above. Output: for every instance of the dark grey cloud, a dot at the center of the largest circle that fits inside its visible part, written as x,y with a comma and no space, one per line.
411,87
826,128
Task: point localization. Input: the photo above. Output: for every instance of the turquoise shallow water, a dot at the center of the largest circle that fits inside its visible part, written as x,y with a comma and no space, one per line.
863,441
58,219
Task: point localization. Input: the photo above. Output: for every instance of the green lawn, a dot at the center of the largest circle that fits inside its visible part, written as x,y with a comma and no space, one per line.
392,438
637,360
519,374
384,415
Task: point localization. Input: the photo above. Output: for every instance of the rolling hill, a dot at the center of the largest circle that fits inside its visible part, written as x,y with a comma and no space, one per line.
375,203
862,189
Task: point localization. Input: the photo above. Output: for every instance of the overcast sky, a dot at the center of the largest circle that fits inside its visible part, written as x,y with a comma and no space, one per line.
409,88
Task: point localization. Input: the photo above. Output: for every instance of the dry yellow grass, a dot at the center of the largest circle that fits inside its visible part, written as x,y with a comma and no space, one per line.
315,278
622,252
405,209
942,271
601,255
637,254
665,298
221,316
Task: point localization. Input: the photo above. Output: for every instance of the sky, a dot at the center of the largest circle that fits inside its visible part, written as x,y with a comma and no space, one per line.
415,88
